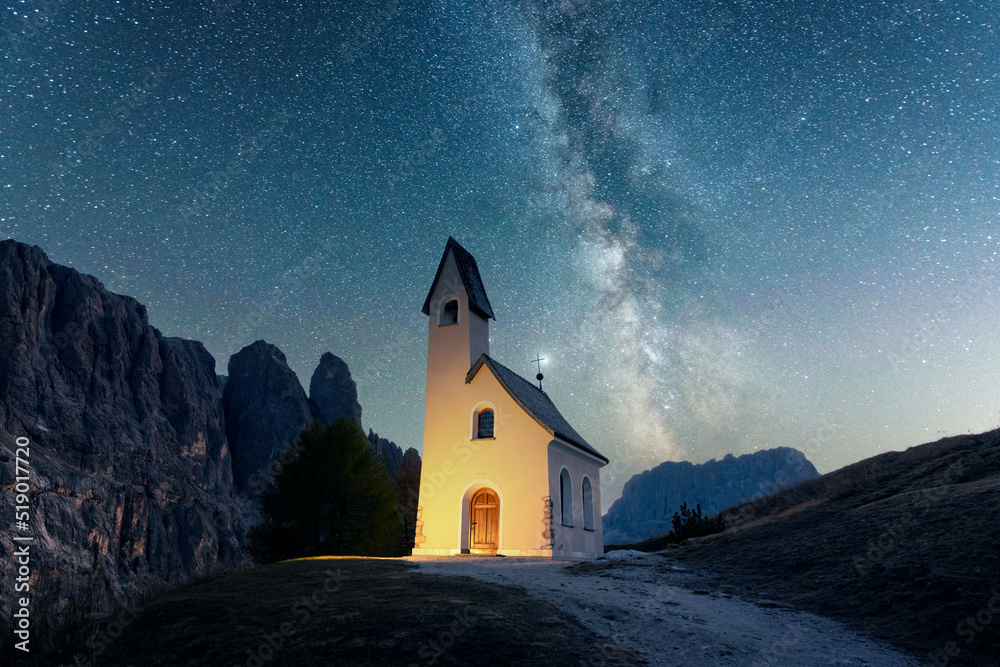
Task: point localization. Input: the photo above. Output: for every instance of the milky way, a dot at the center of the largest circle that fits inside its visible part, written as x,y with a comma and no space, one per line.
726,225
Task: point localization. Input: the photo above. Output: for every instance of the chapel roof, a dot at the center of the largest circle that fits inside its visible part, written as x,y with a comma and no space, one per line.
535,402
471,280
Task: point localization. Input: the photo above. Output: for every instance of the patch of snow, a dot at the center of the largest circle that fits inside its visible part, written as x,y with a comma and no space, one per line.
623,554
647,605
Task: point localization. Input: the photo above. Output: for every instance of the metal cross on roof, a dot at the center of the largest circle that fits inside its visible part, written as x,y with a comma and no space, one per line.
539,361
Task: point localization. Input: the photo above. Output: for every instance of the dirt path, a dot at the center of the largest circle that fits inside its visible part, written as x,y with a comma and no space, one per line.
671,616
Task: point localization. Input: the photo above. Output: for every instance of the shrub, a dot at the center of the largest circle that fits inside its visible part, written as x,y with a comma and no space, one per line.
688,523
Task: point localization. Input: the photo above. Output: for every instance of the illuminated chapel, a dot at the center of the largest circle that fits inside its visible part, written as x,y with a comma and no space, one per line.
503,471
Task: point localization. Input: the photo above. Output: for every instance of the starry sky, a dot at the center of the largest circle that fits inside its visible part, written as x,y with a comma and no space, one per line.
726,225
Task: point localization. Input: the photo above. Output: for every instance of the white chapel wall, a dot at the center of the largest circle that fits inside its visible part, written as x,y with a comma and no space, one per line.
575,541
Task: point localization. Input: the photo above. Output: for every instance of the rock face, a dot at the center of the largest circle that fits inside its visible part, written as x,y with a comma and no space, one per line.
333,392
136,447
389,452
266,410
649,499
131,482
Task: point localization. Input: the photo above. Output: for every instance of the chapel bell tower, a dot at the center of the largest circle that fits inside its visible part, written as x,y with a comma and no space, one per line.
458,320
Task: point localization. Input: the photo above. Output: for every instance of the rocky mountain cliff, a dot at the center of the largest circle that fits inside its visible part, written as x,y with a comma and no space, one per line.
333,392
649,499
145,463
266,410
390,453
131,482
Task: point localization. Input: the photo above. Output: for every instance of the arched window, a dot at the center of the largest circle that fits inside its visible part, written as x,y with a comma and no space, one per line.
485,427
566,497
588,505
449,312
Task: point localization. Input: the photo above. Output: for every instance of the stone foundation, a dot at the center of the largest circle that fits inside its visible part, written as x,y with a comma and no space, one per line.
523,553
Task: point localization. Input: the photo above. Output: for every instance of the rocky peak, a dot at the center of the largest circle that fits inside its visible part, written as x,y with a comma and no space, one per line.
333,391
387,451
649,499
266,411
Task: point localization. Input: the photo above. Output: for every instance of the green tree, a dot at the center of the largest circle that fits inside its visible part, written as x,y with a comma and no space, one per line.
333,498
690,523
408,492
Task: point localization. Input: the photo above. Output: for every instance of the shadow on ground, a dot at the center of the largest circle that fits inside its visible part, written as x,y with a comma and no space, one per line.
340,611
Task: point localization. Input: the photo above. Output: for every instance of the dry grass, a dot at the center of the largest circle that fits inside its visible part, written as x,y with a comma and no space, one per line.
905,546
348,612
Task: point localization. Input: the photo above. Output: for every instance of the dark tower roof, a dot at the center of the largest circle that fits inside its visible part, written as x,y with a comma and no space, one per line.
535,402
471,279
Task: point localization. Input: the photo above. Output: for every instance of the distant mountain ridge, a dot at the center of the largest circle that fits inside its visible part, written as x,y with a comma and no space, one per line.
903,543
649,499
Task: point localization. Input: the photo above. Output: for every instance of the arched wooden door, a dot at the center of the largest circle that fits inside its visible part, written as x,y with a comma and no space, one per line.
484,520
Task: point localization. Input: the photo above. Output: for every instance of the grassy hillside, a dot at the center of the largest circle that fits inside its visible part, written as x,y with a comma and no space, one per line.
341,611
904,545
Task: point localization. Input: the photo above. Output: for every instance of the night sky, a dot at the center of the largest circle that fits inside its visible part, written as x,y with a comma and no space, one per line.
727,226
